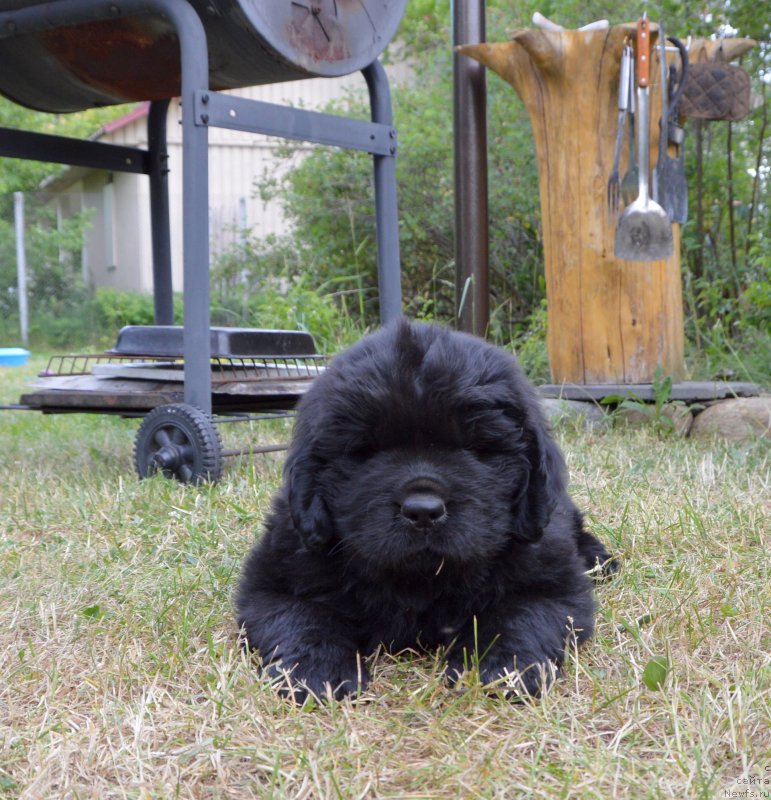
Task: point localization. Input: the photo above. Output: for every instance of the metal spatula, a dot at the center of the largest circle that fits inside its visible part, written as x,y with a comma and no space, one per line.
644,232
675,197
670,190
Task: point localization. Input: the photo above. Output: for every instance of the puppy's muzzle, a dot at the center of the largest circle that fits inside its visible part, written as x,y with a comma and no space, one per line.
423,510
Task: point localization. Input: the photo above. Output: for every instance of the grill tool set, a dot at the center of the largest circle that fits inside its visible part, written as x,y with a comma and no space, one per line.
644,227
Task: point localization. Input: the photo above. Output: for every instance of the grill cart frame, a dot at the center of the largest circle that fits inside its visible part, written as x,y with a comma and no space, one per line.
202,108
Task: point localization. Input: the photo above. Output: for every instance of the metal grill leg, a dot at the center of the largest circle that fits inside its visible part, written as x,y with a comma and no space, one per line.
159,213
195,212
386,211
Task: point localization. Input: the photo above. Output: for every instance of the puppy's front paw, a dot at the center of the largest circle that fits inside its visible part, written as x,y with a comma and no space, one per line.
529,681
499,674
600,563
318,673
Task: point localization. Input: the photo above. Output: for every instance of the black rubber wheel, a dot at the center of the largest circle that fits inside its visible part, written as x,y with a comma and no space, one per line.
181,442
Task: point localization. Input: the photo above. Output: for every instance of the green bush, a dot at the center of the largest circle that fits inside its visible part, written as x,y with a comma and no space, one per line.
328,198
268,285
113,309
529,345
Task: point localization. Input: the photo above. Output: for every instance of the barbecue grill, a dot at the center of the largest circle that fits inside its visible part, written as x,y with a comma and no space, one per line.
69,55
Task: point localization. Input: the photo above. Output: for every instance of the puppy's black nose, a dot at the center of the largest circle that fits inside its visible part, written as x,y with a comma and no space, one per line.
423,509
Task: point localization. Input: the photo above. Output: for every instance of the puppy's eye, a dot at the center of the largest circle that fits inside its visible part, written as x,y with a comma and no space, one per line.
358,452
493,429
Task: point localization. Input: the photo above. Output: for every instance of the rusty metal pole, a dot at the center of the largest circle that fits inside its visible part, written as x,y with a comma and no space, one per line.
472,286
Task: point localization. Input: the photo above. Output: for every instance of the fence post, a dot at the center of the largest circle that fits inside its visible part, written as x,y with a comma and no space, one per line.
21,265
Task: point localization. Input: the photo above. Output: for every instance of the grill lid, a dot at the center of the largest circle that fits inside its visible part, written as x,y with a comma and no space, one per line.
250,42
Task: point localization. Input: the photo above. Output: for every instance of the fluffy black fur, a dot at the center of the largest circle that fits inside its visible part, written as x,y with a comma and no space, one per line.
423,505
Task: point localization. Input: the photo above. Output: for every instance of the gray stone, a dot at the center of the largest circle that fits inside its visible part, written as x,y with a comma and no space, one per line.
557,411
679,413
737,419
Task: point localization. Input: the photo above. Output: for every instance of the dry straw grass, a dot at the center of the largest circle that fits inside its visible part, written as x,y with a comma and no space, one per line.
121,676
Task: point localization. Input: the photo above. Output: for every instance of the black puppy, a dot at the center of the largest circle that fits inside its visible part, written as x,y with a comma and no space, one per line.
423,505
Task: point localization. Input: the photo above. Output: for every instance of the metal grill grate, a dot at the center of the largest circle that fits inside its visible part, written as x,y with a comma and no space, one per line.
256,368
239,369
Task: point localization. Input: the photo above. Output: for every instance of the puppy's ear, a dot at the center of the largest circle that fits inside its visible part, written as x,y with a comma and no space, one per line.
309,512
537,498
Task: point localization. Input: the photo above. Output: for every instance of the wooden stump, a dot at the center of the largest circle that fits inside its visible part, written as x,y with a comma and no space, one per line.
610,321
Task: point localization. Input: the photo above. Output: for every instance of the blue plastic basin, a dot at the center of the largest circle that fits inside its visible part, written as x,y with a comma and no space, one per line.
13,356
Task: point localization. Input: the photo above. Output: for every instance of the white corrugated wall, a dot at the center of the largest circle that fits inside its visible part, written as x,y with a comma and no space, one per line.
236,161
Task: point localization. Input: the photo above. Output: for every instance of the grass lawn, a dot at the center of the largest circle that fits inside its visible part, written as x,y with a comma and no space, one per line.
121,675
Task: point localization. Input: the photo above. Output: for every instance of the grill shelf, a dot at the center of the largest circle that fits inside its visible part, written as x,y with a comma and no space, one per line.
132,385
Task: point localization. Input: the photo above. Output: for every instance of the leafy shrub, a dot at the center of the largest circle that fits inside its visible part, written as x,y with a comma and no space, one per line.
268,285
529,345
113,309
328,198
